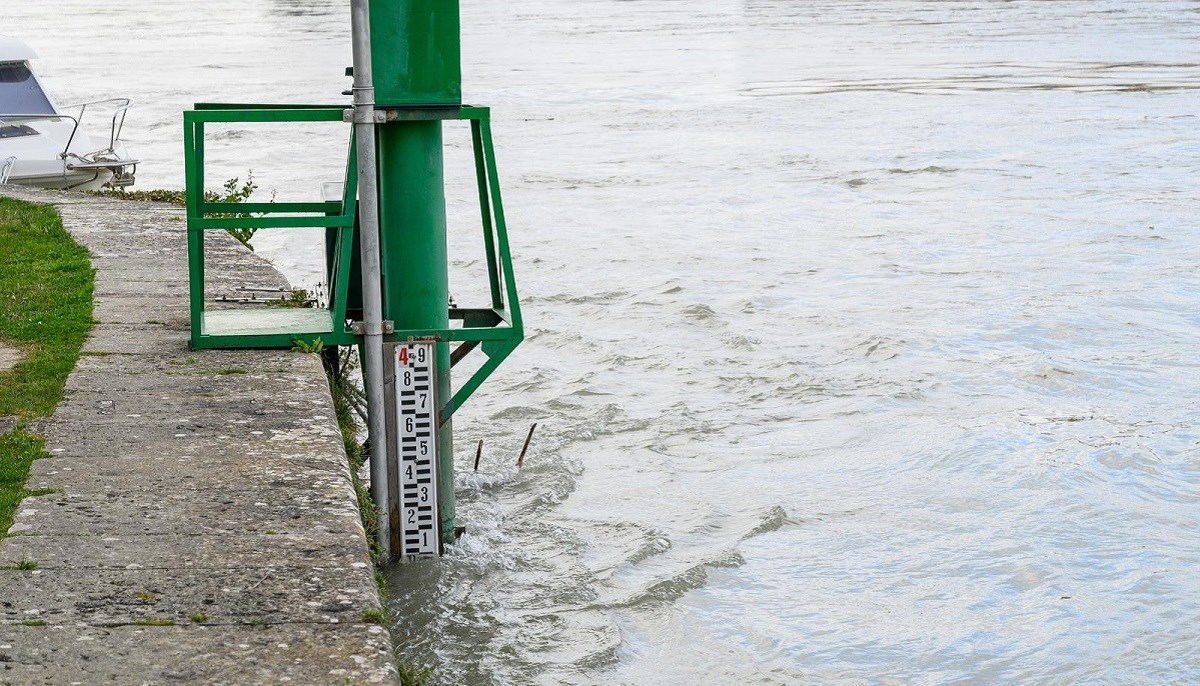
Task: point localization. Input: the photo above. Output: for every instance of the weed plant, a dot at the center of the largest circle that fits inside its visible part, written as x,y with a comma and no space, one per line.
232,191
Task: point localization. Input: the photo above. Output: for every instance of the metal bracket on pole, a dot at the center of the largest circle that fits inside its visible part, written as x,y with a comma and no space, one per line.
362,116
385,115
361,329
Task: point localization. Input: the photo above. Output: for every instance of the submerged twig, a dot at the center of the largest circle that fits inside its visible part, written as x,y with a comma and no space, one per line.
521,459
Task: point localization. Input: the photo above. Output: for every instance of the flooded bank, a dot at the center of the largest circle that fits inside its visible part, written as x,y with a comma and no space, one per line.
862,335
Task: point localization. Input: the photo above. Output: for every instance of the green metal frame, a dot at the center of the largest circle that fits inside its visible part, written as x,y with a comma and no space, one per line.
496,330
286,328
499,329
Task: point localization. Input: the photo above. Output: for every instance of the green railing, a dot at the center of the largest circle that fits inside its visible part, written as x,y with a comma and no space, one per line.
496,330
264,327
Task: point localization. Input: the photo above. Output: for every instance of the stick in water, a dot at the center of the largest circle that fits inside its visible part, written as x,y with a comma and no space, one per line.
478,454
521,459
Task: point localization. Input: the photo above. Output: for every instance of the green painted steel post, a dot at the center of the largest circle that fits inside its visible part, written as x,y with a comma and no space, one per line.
417,58
416,289
417,62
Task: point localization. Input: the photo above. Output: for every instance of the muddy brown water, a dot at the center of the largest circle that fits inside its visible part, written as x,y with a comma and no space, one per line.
862,335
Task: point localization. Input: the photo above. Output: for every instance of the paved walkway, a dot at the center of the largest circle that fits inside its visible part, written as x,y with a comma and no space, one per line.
9,357
203,528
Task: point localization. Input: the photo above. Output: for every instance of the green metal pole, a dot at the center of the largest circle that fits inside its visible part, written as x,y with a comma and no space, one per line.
416,284
417,52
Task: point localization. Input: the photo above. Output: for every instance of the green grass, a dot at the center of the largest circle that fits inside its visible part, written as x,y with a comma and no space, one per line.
46,312
342,389
170,195
33,622
18,450
154,622
45,306
374,616
299,297
412,676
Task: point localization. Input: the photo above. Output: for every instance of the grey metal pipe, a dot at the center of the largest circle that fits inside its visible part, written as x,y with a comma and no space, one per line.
372,298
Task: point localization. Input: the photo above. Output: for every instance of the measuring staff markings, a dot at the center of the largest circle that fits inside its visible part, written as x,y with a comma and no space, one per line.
416,422
407,87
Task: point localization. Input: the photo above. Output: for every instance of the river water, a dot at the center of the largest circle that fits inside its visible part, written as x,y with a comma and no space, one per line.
862,335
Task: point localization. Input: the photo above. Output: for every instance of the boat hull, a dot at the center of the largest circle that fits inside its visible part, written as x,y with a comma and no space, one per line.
25,173
37,160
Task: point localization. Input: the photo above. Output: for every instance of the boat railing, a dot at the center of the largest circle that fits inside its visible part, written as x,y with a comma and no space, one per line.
13,119
21,118
117,124
6,169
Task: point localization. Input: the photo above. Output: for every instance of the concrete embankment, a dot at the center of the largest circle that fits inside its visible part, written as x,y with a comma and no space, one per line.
203,527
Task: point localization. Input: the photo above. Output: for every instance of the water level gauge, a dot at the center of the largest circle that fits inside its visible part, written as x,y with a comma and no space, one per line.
416,434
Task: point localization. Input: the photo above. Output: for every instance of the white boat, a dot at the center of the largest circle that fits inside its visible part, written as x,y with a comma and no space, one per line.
44,145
